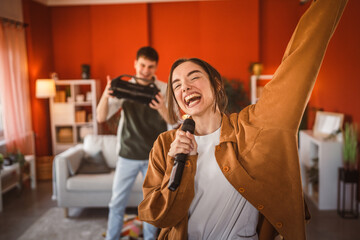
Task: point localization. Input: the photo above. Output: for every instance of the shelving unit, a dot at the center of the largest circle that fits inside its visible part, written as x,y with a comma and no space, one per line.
255,88
329,158
73,113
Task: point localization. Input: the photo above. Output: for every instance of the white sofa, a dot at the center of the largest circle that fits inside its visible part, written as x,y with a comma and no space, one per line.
88,190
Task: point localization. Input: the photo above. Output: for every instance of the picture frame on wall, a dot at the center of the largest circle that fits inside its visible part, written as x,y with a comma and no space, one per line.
327,124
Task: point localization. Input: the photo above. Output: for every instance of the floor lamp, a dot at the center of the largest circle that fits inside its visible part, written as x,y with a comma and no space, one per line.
45,88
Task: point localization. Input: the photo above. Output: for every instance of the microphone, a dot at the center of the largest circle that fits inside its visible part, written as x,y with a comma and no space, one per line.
178,168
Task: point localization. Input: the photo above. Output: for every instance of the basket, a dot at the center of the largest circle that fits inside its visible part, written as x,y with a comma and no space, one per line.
44,167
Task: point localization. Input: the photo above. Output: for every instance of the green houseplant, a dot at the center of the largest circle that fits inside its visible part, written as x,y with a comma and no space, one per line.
20,158
313,174
350,146
237,97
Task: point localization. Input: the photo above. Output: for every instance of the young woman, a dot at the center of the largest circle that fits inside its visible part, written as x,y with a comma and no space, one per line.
241,178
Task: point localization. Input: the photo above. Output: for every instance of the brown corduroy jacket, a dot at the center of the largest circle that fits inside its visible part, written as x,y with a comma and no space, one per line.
258,146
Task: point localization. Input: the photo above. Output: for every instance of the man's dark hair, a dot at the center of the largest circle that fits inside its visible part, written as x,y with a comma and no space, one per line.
148,53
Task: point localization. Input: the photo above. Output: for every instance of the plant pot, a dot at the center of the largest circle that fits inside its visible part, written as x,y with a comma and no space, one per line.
349,176
350,166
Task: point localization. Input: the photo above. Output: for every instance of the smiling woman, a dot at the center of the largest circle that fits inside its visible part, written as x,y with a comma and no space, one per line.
241,178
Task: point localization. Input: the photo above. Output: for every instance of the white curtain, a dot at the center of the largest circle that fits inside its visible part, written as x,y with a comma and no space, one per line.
14,89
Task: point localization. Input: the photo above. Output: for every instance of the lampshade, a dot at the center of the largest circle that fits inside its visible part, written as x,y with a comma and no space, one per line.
45,88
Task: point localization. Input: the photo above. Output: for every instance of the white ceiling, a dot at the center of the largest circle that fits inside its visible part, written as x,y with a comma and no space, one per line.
89,2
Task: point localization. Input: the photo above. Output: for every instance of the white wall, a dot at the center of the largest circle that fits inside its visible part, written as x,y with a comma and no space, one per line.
11,9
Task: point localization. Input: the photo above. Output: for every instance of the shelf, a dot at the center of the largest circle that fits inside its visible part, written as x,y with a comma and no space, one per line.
9,176
255,88
83,130
7,170
62,125
64,145
83,124
329,159
73,112
82,103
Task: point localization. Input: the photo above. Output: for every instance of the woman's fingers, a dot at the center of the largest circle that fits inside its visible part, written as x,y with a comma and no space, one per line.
182,136
181,144
193,143
177,148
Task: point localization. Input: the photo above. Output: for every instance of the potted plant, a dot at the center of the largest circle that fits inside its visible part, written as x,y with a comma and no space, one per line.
313,174
349,173
350,146
20,158
237,97
11,158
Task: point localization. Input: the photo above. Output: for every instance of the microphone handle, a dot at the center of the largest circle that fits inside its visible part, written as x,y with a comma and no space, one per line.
177,171
179,163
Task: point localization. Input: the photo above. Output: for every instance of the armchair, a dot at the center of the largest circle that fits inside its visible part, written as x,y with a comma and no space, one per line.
88,190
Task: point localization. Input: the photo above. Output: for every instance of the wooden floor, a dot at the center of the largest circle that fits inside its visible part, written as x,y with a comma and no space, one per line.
21,209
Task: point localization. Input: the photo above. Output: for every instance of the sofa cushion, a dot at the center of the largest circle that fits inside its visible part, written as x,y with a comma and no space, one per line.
91,182
98,182
104,143
93,164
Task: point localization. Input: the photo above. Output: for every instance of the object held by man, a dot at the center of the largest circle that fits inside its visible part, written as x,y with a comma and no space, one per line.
133,91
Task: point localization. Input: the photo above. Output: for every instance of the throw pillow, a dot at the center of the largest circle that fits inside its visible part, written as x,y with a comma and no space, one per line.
93,164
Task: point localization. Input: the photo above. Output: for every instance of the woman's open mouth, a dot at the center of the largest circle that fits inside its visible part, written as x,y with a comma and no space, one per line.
192,99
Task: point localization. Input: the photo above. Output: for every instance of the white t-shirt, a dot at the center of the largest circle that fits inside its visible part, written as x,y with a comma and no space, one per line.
218,211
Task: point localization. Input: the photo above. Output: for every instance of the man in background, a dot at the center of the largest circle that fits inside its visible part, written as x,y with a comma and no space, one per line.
139,126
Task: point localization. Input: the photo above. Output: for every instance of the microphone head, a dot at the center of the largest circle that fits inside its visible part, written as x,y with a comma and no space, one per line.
188,126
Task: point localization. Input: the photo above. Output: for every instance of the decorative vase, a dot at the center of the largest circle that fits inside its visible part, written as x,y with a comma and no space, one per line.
85,71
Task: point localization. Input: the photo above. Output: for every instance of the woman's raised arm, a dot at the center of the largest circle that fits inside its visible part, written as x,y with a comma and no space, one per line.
284,98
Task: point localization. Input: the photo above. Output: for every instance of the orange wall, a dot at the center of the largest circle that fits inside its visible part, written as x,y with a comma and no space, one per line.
278,19
228,34
108,36
104,36
338,85
71,35
336,89
225,34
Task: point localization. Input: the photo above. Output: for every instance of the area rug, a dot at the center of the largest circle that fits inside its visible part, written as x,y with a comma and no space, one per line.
81,225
